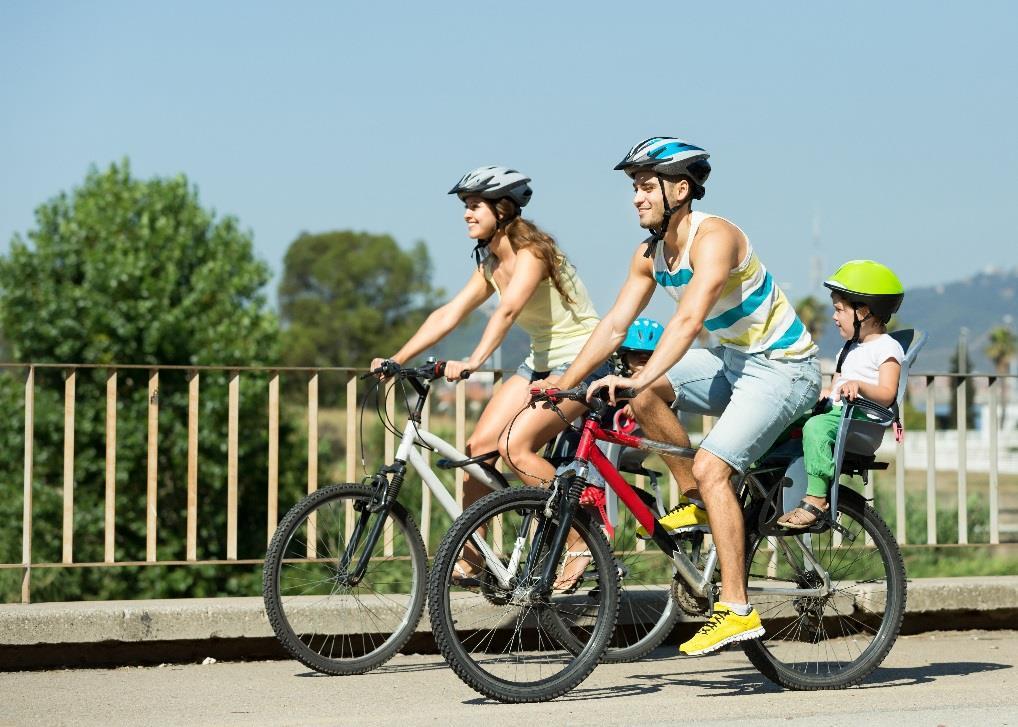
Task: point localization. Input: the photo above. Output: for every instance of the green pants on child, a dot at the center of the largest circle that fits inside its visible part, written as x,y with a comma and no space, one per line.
818,436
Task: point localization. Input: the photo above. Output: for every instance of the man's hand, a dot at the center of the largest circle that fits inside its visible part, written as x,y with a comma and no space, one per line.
454,369
612,383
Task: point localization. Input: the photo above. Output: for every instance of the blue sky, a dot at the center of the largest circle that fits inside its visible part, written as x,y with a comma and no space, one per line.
890,125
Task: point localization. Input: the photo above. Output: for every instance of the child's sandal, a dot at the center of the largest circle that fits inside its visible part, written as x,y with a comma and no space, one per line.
805,515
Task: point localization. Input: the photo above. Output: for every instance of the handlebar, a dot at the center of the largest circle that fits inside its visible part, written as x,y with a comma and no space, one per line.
579,393
429,371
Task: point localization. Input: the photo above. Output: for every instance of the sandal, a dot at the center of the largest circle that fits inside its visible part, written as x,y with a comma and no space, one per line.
461,579
567,586
804,516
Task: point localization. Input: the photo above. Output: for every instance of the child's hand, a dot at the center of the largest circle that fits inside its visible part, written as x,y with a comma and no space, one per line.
627,411
850,390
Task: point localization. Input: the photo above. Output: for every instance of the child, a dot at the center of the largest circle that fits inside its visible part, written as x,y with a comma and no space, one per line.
865,295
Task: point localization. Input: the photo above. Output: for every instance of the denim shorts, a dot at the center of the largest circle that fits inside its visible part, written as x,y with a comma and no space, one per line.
530,375
755,397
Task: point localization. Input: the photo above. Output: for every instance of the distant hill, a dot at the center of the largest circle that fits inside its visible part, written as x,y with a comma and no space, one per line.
978,303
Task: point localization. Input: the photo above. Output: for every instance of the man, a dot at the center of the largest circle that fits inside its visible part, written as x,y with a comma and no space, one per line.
760,375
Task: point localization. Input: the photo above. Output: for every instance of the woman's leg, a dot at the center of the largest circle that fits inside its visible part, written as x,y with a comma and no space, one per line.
518,446
512,396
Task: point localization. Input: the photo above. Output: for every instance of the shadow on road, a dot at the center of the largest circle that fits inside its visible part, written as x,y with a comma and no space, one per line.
748,681
390,668
901,676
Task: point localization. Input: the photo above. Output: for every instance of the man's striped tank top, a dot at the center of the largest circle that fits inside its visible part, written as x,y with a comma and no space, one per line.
752,315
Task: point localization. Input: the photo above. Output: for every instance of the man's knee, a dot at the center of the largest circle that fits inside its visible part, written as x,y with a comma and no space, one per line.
648,402
711,471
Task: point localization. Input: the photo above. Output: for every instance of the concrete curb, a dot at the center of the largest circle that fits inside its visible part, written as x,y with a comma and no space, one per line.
125,632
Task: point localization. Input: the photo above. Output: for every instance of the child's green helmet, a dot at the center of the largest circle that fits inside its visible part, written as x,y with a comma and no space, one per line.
868,283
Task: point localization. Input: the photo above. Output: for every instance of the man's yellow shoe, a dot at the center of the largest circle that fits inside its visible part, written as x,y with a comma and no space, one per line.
681,519
724,627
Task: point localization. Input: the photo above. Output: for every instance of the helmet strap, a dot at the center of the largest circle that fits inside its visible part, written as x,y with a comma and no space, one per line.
658,233
500,223
856,328
479,247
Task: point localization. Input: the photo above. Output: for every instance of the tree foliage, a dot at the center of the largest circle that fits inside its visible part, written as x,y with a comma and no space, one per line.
814,315
347,297
129,271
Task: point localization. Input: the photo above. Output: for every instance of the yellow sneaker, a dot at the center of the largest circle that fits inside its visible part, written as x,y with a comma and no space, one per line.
681,519
724,626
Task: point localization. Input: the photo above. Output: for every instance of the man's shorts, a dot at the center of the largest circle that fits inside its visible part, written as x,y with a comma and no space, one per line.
755,397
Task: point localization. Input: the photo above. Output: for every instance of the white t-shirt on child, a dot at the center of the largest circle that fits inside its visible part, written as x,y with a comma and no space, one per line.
863,362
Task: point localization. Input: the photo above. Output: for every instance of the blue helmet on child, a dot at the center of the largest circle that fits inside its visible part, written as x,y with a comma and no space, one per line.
643,335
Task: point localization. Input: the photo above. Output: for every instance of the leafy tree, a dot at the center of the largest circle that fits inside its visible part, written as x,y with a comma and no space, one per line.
1001,349
814,315
129,271
348,296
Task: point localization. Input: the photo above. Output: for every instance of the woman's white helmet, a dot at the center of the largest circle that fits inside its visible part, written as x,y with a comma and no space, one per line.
493,182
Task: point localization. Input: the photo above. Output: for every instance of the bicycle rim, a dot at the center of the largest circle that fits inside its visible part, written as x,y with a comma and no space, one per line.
833,641
504,642
647,609
324,617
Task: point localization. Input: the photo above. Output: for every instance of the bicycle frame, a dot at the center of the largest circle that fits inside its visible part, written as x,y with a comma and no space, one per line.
407,454
588,454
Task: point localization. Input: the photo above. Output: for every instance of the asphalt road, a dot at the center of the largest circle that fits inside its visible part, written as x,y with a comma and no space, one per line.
944,678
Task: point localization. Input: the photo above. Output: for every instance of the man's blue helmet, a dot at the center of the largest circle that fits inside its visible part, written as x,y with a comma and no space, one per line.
643,335
669,156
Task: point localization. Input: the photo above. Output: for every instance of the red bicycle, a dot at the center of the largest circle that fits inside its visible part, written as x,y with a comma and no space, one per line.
831,599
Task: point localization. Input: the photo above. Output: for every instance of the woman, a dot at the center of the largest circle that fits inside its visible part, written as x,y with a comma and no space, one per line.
538,289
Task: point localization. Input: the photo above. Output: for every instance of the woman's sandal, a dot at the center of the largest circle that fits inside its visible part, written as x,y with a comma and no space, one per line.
461,579
805,515
564,585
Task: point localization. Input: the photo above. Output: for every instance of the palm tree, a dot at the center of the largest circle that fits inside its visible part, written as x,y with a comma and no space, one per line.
813,315
1001,349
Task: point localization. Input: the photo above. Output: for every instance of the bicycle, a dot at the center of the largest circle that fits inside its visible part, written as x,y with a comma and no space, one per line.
343,590
343,595
831,598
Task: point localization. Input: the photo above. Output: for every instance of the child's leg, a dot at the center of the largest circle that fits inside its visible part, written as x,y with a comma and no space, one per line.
818,437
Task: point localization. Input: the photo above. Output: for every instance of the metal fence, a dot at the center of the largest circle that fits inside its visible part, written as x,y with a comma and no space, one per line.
456,401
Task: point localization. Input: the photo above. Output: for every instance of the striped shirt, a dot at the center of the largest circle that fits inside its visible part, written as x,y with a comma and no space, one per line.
752,315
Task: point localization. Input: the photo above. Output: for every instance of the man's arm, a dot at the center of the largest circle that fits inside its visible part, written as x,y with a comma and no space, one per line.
712,258
611,331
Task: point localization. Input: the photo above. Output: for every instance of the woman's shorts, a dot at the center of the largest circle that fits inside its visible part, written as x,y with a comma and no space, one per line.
530,375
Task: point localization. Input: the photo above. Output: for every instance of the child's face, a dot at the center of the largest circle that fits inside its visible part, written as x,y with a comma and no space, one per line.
844,316
635,360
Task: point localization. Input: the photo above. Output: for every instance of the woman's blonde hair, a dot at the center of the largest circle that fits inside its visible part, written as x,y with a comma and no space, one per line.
525,235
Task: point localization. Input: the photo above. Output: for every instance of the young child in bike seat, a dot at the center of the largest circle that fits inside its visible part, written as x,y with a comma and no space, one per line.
865,295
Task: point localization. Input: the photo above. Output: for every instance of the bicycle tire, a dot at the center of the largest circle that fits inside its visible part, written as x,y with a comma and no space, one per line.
648,610
806,636
507,652
332,626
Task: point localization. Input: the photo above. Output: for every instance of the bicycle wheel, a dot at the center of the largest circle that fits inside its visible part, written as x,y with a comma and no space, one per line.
504,641
647,608
322,614
832,641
